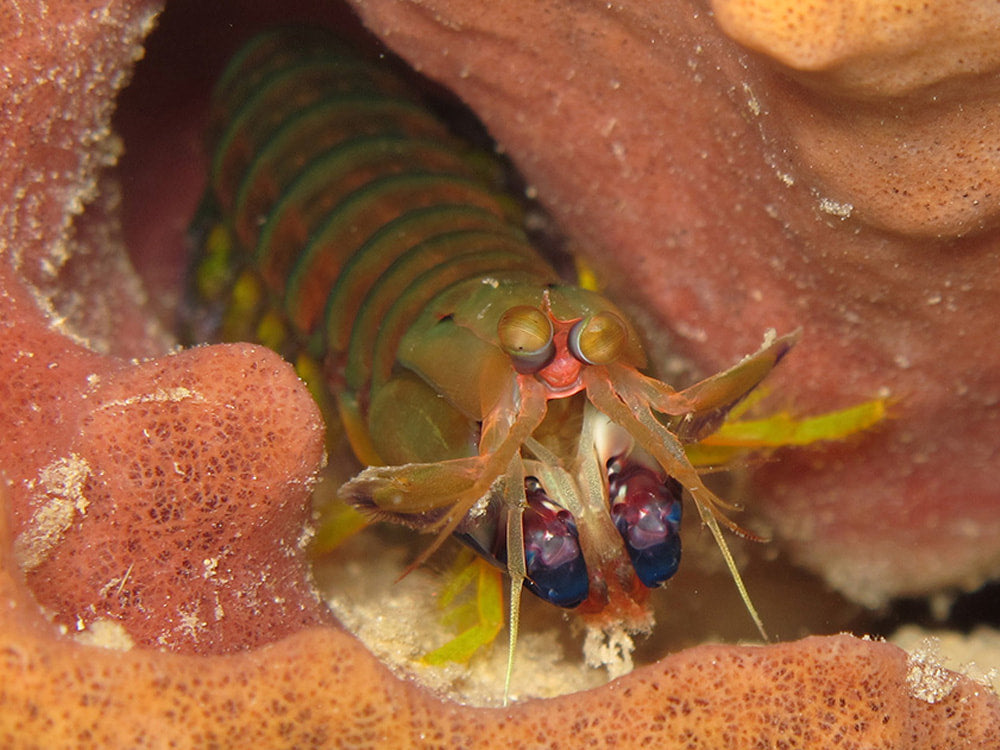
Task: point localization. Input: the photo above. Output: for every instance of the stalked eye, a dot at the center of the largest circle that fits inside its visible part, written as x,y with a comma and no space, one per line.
525,333
598,339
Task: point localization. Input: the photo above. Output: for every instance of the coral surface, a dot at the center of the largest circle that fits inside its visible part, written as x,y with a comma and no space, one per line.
177,509
164,501
318,688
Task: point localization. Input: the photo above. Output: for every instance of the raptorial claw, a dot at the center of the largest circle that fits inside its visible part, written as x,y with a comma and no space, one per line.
400,492
700,409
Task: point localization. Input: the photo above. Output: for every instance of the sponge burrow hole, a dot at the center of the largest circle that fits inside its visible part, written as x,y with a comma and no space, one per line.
161,174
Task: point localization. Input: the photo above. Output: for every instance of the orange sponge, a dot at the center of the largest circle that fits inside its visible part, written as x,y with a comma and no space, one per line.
163,503
184,493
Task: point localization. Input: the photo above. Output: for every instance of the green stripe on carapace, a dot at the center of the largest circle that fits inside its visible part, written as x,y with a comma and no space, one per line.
356,219
255,60
484,263
297,221
403,273
281,95
374,257
314,131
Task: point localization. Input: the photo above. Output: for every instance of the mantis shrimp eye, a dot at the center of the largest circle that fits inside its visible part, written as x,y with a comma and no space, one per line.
525,333
598,339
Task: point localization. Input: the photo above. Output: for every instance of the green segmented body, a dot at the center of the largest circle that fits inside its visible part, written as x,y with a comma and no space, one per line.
347,223
351,203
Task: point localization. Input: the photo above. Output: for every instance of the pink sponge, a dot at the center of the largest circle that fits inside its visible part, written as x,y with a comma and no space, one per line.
182,494
169,496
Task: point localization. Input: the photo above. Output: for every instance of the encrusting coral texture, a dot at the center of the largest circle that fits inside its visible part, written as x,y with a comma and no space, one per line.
158,506
183,493
916,93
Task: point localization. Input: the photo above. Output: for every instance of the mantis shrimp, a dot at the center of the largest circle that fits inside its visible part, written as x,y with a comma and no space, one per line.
490,400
